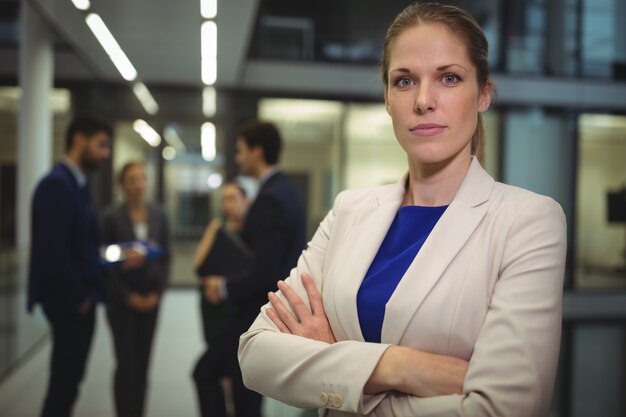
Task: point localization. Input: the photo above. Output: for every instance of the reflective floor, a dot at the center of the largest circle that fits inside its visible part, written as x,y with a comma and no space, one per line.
177,345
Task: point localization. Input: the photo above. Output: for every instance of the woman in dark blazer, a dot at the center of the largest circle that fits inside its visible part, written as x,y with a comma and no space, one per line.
135,285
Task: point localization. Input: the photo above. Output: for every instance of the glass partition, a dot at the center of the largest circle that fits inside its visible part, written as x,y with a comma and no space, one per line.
601,203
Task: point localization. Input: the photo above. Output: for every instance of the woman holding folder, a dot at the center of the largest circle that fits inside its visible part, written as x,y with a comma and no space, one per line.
134,285
221,251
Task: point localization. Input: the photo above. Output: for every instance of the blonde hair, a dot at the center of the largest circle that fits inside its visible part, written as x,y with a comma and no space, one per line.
468,31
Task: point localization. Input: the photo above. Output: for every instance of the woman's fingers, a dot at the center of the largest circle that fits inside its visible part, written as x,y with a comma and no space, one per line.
315,298
310,323
283,313
294,300
271,313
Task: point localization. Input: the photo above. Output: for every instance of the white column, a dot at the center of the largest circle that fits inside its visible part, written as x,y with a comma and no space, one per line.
34,124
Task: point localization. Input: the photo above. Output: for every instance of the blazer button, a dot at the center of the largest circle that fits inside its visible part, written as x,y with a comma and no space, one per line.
324,399
337,401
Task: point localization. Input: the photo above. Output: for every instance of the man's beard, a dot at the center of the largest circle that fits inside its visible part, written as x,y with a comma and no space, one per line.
88,163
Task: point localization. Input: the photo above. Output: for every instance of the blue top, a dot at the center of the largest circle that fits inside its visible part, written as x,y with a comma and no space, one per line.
405,237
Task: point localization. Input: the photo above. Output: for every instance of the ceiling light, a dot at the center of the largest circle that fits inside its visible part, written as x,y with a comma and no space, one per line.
147,132
111,47
208,141
168,153
214,180
145,98
209,71
173,139
81,4
209,101
208,8
208,52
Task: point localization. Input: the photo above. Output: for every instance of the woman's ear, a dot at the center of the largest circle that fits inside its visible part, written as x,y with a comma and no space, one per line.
386,101
484,101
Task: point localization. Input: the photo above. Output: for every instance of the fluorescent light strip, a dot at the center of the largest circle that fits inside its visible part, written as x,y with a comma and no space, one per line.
208,141
173,139
81,4
145,98
208,53
208,8
111,47
147,132
209,101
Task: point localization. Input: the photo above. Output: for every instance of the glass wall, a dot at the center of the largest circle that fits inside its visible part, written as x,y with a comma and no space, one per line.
573,38
335,145
19,331
312,156
601,203
603,39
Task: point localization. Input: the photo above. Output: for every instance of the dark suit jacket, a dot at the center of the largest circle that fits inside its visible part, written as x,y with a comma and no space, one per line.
275,232
117,227
65,269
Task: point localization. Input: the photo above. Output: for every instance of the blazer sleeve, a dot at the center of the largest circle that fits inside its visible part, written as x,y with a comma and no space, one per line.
512,369
52,236
300,371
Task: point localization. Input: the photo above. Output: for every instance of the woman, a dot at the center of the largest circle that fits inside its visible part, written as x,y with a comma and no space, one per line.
221,251
439,295
135,285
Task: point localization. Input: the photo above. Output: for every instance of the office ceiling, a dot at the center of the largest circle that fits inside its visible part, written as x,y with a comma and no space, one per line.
162,40
160,37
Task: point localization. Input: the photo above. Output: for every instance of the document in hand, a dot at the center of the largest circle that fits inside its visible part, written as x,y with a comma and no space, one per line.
117,252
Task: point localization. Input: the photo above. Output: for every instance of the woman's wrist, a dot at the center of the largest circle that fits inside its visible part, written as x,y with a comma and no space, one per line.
388,373
417,373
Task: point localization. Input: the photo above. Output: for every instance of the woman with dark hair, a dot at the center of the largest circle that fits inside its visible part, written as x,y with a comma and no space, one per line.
439,295
220,251
135,285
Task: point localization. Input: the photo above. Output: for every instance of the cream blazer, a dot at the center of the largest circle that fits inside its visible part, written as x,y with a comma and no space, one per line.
485,287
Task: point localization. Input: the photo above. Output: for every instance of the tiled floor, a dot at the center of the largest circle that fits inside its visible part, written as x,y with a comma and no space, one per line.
171,393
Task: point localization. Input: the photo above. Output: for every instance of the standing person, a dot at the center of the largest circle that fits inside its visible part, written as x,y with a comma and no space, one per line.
439,295
65,274
275,233
135,286
221,251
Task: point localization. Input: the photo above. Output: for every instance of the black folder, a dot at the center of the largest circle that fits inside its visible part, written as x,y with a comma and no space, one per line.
228,255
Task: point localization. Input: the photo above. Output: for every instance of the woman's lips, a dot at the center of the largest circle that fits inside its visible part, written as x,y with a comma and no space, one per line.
427,129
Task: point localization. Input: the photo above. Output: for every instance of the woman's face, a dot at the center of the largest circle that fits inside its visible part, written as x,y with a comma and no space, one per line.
432,96
134,183
234,203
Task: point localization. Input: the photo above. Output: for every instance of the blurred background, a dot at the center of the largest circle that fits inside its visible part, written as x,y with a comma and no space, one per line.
179,77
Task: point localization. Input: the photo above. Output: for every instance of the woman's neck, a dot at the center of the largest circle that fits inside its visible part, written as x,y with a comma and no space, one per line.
138,210
435,184
234,224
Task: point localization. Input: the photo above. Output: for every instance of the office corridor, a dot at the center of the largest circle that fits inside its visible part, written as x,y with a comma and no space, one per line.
178,344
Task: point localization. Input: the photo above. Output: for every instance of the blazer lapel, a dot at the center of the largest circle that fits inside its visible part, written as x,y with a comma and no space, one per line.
128,228
447,238
365,240
153,225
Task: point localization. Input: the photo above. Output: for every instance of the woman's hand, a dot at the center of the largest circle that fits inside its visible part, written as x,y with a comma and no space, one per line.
134,259
142,303
311,324
418,373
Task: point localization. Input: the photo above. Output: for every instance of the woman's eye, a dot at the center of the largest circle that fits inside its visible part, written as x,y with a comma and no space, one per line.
450,78
404,82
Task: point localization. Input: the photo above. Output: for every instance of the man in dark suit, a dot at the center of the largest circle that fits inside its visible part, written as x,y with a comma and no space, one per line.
275,233
65,275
